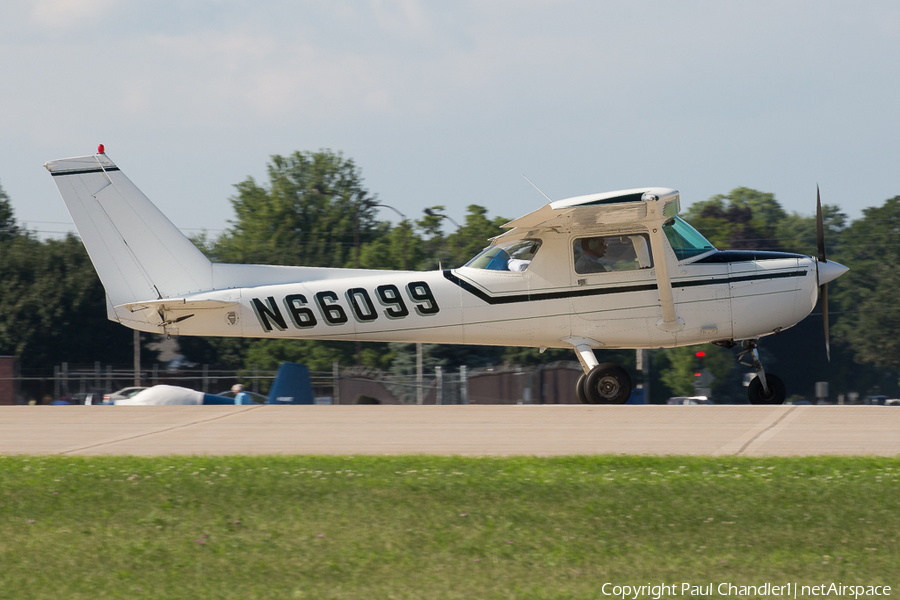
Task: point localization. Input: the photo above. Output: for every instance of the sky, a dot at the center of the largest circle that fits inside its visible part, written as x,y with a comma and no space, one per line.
450,103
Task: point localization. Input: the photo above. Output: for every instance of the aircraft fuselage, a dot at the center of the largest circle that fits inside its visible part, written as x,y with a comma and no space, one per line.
717,300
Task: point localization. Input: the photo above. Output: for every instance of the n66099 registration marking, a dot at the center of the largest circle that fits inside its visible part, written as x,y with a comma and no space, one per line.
327,304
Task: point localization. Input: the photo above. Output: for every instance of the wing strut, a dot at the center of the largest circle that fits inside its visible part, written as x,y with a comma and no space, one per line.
670,321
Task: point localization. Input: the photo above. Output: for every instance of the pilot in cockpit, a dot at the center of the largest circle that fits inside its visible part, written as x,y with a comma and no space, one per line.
588,252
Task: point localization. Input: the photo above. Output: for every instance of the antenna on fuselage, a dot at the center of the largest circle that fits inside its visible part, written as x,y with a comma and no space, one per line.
537,188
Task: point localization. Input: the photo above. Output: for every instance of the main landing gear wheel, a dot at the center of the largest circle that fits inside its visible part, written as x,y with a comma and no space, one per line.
757,394
579,390
607,384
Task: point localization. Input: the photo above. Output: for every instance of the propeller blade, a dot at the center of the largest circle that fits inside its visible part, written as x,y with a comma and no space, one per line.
823,289
823,298
820,227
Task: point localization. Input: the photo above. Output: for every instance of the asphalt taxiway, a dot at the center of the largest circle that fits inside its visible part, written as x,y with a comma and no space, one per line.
542,430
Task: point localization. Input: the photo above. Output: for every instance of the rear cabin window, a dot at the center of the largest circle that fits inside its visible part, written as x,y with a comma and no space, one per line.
607,253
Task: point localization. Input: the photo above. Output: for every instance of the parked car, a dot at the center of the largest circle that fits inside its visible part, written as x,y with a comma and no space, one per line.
685,400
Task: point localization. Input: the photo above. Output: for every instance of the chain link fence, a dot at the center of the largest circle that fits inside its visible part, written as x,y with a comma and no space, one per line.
552,383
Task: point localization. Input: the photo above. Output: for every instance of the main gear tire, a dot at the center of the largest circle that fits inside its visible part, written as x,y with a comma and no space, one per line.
607,384
579,390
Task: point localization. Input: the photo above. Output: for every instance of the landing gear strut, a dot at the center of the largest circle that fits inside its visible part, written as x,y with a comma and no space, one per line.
765,388
601,383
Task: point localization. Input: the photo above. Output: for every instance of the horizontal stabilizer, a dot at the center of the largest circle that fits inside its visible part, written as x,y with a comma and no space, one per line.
178,304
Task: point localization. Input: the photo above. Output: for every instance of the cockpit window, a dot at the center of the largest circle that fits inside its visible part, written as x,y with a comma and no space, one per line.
601,254
686,241
509,256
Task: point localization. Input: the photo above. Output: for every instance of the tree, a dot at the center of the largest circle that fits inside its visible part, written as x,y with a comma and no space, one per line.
867,294
797,233
683,363
434,242
473,236
393,248
318,355
53,307
742,219
753,220
314,212
8,228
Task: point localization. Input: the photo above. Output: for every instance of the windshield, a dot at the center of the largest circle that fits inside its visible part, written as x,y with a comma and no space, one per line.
686,241
511,256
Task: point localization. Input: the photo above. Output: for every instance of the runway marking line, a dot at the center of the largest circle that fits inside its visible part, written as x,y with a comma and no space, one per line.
174,427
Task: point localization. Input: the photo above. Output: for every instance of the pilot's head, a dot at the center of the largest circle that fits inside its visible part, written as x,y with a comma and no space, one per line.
237,388
595,246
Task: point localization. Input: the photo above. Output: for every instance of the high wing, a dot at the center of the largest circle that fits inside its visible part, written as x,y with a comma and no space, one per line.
588,214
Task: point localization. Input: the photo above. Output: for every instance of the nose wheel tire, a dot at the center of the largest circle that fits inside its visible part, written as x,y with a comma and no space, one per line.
776,395
607,384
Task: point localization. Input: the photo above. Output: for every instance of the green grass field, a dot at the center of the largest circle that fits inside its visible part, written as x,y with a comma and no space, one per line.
431,527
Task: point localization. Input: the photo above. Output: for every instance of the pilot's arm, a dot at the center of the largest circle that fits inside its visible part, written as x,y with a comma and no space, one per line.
588,264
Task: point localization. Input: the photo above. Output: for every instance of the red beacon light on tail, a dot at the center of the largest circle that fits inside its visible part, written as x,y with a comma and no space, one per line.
101,149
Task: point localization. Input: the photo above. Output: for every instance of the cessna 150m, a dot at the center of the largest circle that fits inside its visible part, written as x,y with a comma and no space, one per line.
611,270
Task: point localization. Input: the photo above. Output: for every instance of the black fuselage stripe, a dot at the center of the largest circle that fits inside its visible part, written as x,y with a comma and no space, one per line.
532,296
83,171
697,282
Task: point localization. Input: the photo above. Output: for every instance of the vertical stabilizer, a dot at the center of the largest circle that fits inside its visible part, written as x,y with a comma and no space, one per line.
138,253
292,385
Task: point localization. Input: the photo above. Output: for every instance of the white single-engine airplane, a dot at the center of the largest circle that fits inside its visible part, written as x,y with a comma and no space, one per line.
611,270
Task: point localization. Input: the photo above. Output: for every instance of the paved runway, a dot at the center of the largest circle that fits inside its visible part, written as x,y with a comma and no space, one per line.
543,430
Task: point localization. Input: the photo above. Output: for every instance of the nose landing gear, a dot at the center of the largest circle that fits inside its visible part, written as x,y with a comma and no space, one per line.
765,388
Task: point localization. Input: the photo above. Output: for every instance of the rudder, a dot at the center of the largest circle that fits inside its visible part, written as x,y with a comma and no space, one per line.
137,252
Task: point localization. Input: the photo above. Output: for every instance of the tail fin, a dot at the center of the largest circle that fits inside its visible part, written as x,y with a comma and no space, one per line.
137,252
292,385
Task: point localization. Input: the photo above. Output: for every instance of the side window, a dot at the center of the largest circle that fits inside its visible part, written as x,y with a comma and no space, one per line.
602,254
511,256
